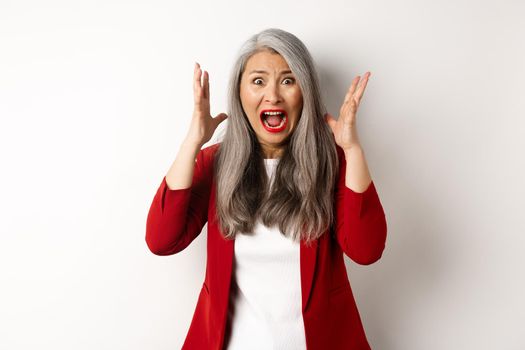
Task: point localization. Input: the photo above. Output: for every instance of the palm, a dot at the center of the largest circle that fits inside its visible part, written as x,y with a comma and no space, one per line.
344,128
203,125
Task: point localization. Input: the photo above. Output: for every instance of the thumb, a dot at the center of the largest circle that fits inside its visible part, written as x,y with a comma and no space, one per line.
219,118
330,120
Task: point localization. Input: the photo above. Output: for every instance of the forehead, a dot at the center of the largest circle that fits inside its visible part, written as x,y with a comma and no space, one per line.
268,61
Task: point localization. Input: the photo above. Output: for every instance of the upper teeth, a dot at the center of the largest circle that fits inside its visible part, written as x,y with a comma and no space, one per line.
272,113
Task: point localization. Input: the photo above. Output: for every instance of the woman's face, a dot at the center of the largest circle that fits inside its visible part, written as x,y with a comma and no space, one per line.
269,87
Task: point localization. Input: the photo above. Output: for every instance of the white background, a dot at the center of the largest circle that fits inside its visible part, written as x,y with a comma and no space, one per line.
95,98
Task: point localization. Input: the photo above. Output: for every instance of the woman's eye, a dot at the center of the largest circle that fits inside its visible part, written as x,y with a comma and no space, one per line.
257,79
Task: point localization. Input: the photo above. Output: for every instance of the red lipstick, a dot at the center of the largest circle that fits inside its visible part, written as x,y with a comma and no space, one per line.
284,120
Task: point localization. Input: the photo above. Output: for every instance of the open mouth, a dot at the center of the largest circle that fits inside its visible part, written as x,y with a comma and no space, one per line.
274,120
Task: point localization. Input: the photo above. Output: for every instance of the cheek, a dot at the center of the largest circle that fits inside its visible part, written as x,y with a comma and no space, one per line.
299,98
298,106
249,98
295,97
252,97
249,108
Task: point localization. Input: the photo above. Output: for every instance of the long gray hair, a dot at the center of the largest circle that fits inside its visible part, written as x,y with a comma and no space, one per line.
301,199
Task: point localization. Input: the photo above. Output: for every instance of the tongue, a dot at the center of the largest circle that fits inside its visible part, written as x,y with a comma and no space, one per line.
273,120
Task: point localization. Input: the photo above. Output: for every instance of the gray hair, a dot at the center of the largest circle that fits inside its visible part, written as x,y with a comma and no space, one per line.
300,201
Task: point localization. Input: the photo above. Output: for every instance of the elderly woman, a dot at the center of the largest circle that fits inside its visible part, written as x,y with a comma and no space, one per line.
285,193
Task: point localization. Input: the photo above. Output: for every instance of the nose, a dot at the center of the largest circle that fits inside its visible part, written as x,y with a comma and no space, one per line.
272,94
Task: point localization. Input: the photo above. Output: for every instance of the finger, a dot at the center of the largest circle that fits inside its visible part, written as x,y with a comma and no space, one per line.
197,89
352,88
220,118
362,87
206,92
196,77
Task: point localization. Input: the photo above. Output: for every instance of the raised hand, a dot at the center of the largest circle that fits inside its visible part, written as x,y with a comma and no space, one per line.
344,128
202,125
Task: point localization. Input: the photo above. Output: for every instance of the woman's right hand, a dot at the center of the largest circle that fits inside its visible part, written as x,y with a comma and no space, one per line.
203,125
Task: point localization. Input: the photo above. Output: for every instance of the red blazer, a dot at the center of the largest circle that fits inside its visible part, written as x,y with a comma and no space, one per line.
330,315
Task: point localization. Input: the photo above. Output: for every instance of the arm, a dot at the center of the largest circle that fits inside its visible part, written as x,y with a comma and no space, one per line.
179,211
180,174
357,175
360,220
177,216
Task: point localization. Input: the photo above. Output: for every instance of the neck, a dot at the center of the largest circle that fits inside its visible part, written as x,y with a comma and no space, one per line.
270,152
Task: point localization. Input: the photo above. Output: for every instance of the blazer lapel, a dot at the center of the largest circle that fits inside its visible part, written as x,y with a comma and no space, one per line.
308,259
224,254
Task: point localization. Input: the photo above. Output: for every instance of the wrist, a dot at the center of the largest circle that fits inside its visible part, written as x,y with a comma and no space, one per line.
192,143
357,149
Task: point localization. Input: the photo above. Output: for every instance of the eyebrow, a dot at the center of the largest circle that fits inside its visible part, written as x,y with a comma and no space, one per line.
265,72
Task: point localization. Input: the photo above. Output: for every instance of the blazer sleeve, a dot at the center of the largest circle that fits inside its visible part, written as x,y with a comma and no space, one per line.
176,217
361,225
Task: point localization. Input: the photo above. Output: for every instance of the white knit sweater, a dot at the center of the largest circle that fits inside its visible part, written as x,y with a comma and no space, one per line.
265,299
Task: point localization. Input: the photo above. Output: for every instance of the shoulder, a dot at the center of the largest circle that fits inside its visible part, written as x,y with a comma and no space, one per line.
207,154
210,150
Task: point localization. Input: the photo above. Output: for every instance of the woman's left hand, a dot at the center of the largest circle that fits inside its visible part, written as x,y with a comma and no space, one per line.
344,128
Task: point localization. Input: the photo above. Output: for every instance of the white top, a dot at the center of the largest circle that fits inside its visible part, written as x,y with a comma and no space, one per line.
265,300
